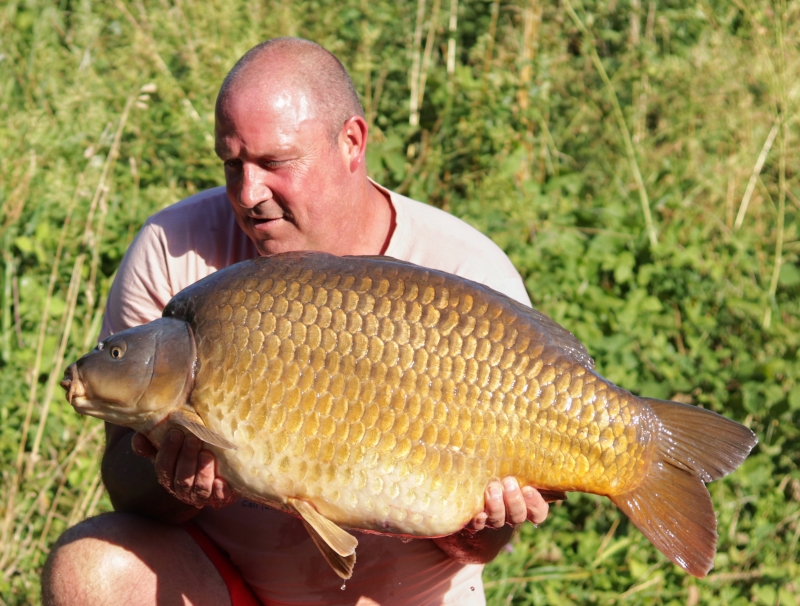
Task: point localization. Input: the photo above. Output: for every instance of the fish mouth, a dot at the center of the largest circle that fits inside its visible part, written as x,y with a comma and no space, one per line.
72,384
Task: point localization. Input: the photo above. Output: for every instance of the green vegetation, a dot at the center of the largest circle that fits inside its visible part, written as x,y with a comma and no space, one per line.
638,161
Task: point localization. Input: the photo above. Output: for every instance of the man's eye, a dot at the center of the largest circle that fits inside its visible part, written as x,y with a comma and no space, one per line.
232,164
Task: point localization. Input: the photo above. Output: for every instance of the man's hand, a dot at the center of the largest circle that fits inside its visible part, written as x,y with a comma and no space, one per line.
185,469
505,503
506,506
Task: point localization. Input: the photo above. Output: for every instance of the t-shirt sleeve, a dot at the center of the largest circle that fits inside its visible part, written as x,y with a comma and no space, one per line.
142,286
513,287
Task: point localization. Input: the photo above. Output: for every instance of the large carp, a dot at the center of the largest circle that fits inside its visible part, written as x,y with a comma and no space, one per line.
372,394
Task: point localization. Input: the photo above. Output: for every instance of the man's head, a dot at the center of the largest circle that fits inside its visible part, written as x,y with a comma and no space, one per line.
292,135
313,68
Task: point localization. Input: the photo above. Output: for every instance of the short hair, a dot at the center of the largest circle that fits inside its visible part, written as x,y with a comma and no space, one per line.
315,68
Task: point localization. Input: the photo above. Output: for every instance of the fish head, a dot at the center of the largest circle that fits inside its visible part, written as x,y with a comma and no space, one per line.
134,377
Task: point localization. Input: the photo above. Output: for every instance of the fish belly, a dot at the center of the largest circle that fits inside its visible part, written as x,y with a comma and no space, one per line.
389,396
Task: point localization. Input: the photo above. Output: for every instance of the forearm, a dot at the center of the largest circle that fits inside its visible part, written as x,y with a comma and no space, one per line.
479,547
132,483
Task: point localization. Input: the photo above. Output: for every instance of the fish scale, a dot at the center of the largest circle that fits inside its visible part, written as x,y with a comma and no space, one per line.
373,394
389,396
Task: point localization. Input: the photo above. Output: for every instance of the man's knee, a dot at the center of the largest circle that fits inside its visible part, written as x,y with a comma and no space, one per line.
90,559
121,558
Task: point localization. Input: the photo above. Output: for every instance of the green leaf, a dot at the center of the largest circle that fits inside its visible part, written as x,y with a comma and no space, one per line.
794,398
789,275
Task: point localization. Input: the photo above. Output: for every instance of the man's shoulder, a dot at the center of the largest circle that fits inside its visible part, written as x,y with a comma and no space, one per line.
201,229
203,210
431,237
429,220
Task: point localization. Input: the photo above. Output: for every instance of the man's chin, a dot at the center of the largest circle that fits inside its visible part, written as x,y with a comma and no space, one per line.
275,247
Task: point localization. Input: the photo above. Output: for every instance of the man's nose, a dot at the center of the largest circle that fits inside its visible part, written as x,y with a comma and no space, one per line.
254,186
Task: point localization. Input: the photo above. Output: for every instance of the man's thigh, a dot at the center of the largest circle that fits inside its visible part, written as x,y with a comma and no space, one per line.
126,559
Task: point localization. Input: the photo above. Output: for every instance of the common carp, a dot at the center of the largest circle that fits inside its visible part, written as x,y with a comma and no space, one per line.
372,394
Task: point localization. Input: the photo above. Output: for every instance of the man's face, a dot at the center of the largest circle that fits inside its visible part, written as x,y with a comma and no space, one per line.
285,177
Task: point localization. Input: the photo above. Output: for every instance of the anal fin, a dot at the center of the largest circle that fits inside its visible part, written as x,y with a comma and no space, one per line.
191,421
337,546
342,565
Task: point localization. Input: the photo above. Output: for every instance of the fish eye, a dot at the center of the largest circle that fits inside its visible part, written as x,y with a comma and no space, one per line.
116,352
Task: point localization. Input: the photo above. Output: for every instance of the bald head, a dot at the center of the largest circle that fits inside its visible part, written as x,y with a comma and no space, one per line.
303,66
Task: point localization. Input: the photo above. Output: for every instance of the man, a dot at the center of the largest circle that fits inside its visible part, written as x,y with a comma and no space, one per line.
292,137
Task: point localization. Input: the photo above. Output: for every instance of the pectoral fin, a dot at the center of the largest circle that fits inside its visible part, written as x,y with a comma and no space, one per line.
191,421
337,546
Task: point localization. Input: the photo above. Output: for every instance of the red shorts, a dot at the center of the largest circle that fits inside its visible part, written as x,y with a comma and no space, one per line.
240,592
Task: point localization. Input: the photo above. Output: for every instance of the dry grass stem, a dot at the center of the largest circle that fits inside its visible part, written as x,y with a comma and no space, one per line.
728,577
487,57
426,58
152,50
451,40
776,271
637,588
606,540
751,185
14,484
58,359
84,437
15,202
416,60
95,237
539,578
623,127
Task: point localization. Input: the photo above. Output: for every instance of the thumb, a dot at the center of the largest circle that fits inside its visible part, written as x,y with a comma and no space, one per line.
142,446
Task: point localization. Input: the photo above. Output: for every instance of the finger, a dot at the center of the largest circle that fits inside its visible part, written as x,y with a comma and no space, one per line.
494,506
478,523
223,493
142,446
516,509
537,507
167,458
204,478
186,469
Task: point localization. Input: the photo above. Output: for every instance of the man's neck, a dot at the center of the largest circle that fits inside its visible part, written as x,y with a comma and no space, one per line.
372,234
383,198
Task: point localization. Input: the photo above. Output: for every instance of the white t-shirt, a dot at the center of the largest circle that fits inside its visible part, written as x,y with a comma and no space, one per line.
194,238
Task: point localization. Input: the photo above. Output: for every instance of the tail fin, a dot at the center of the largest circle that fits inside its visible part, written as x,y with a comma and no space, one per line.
671,506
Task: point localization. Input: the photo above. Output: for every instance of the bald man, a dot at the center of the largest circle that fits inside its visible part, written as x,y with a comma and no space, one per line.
291,134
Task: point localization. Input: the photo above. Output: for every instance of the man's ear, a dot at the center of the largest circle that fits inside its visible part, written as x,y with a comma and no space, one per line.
353,142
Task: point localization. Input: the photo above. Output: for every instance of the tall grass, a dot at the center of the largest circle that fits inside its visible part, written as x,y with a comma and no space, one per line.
636,159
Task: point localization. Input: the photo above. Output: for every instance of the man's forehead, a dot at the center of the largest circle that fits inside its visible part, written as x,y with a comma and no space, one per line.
270,99
274,125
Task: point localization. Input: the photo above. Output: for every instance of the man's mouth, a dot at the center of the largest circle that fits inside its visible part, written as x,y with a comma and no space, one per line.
266,219
262,224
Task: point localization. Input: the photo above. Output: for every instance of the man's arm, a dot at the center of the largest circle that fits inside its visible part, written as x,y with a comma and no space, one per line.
179,478
187,474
